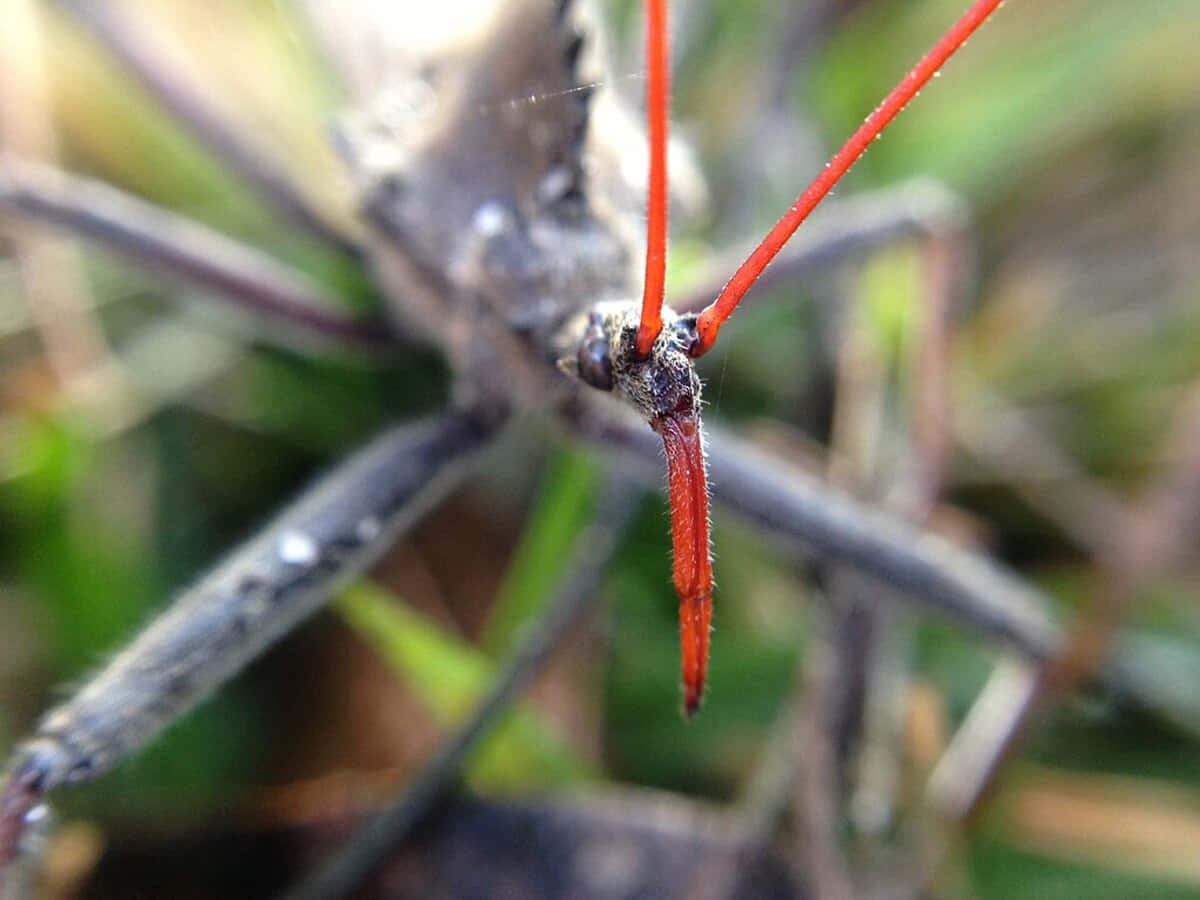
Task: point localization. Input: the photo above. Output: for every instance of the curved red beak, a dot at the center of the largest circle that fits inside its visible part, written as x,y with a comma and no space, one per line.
692,564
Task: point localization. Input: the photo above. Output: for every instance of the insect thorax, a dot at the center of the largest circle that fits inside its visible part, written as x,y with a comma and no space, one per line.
476,168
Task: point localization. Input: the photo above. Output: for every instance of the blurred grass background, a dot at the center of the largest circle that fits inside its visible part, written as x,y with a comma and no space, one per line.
1071,129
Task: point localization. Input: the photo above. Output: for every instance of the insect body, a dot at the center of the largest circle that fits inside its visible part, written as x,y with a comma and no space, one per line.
664,388
670,400
498,224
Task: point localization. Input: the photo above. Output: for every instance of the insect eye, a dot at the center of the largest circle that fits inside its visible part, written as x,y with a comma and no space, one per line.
595,365
595,361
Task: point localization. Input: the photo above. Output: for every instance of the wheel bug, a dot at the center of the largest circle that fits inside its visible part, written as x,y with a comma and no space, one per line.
394,206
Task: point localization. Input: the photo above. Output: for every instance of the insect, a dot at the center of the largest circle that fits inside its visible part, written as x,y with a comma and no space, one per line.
458,228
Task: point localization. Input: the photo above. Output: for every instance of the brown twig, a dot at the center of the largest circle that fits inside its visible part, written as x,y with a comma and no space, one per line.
801,513
817,807
592,551
842,230
1149,536
138,51
49,269
232,271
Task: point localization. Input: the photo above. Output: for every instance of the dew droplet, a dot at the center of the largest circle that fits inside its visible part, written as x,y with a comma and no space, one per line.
297,549
490,219
368,529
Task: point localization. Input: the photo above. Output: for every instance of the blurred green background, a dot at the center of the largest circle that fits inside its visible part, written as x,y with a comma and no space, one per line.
140,438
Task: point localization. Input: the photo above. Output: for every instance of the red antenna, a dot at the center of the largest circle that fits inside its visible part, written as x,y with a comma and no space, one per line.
715,314
681,432
658,94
